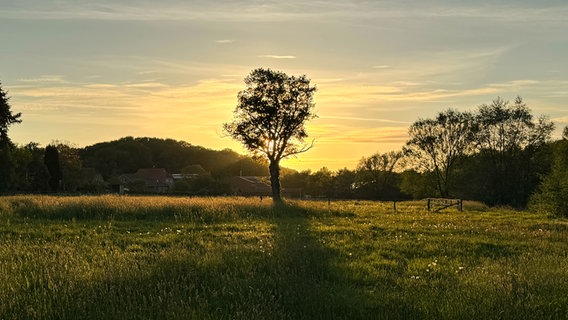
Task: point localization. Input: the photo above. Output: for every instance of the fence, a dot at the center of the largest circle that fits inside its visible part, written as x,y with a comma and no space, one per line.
444,203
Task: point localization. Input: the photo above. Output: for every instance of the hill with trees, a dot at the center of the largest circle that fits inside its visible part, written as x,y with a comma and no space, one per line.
62,167
126,155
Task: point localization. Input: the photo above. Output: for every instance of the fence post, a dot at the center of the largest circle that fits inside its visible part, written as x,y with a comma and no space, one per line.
428,204
394,206
460,205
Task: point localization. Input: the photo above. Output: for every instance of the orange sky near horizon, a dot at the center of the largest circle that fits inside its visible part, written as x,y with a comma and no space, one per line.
95,71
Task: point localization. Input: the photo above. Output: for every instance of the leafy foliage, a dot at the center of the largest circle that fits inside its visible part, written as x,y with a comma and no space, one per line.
7,118
495,155
33,175
270,118
271,113
511,143
377,174
7,163
437,144
552,195
506,128
51,161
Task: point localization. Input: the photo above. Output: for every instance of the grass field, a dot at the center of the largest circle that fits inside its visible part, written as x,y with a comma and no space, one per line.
112,257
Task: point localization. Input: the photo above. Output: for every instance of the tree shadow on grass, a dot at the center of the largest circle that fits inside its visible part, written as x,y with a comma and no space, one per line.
317,281
311,283
296,278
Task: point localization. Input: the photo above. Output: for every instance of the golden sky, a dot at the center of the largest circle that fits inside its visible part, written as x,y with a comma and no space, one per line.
93,71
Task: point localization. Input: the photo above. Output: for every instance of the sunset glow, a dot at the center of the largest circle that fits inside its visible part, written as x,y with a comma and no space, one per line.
94,71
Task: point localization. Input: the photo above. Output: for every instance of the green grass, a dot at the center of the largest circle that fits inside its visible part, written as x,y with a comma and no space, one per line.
114,257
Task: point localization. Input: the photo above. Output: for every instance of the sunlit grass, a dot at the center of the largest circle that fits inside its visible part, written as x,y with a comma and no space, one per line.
113,257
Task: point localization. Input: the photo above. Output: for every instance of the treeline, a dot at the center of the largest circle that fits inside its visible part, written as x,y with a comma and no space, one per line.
497,154
60,167
500,154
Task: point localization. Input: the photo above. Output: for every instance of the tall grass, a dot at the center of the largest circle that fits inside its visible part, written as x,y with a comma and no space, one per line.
115,257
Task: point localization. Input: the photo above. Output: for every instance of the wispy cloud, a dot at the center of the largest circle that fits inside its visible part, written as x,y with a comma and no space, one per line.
224,41
344,134
146,85
123,107
44,79
272,56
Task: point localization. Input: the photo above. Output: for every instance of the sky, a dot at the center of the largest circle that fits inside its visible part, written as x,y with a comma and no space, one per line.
89,71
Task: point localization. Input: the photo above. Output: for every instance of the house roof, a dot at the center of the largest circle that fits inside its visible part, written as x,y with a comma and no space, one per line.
153,176
250,185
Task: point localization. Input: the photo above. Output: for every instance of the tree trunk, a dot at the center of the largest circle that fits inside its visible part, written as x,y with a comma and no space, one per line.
275,180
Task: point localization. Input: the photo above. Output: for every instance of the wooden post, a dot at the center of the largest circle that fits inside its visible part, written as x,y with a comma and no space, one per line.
428,204
394,206
460,205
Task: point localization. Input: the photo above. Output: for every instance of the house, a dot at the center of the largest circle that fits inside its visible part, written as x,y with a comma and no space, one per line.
150,180
250,186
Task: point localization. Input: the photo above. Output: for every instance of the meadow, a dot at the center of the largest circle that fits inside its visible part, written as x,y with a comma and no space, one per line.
126,257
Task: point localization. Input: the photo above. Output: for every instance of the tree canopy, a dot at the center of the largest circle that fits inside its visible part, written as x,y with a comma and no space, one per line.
438,143
7,118
7,163
270,116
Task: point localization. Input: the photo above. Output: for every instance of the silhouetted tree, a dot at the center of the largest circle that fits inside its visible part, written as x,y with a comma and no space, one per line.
344,184
377,174
296,179
270,117
320,183
7,165
32,174
418,185
7,118
245,167
71,166
508,141
51,160
436,144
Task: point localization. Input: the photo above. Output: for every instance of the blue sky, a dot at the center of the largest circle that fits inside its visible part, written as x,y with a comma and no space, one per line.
92,71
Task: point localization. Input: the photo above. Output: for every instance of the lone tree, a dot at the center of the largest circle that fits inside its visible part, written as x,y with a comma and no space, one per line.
270,116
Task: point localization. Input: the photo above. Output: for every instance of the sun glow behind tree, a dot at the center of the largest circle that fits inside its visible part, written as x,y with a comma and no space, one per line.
270,116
